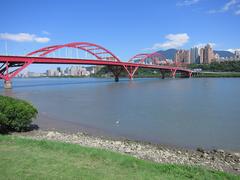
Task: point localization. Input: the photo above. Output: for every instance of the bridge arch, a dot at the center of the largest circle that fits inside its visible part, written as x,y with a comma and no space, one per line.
8,70
144,56
141,58
93,49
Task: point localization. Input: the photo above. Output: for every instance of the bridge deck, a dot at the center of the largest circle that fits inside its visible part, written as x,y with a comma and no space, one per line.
50,60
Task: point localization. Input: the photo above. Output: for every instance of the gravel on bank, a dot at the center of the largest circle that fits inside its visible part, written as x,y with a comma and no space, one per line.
211,159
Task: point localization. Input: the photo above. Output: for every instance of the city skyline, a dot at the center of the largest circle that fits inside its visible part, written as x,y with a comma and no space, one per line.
180,24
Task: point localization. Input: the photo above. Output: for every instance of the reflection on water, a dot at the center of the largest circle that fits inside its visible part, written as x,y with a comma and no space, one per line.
184,112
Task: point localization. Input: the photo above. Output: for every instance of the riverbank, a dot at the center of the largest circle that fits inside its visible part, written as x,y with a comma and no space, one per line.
211,159
216,75
30,159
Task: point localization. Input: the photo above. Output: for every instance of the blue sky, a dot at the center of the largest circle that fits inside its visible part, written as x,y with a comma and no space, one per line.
125,27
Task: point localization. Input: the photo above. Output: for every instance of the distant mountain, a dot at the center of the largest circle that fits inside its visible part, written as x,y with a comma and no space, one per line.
170,53
224,53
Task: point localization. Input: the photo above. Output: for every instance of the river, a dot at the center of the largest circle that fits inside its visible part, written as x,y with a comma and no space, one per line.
190,113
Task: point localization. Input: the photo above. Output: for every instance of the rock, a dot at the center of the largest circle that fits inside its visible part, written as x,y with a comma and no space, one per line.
50,134
236,154
220,151
118,143
139,148
204,155
200,150
236,168
214,151
127,150
191,158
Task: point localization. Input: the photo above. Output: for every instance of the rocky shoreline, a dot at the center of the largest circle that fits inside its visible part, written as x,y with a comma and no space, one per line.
211,159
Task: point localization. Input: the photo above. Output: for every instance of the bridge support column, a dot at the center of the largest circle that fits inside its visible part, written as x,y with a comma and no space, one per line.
116,78
131,70
190,74
116,70
8,84
163,74
130,76
174,73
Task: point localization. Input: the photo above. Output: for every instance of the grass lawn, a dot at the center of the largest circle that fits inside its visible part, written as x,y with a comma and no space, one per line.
32,159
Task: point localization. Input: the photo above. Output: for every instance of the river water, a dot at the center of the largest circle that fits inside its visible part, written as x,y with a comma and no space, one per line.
190,113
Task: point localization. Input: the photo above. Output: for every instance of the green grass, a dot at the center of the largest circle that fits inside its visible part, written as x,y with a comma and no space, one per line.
32,159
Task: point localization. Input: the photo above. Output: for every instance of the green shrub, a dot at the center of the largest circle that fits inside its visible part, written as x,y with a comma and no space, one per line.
16,114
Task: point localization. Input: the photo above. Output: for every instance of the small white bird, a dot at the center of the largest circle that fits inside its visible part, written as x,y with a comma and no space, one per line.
117,122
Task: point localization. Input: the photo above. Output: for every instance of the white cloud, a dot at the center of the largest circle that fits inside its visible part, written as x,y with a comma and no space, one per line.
200,45
237,12
233,50
213,11
230,5
187,2
42,39
23,37
173,41
46,32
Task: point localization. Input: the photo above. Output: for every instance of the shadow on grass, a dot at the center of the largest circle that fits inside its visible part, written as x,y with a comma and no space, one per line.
4,130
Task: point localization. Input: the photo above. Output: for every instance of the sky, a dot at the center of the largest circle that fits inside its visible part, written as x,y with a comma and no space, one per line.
125,27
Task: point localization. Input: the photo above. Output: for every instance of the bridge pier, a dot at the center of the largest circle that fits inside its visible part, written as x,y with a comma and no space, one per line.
116,78
163,74
190,74
116,70
7,84
130,76
173,73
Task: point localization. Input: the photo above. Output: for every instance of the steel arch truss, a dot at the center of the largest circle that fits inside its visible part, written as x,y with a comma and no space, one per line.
8,70
144,58
97,51
151,58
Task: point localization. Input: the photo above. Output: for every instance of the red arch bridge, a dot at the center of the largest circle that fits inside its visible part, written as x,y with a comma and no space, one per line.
11,66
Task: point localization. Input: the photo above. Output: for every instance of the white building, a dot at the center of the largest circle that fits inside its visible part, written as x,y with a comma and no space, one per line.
51,72
237,55
195,55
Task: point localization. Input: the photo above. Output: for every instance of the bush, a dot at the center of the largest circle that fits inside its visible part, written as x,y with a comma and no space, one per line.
16,114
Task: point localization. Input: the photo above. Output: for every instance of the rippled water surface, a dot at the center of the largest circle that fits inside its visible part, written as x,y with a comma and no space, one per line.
181,112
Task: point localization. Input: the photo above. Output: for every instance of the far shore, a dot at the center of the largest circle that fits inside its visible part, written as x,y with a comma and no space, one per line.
202,74
210,74
215,159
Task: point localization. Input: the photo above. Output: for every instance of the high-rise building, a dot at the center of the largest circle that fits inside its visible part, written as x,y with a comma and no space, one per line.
51,72
194,55
216,57
201,55
182,56
237,55
208,55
